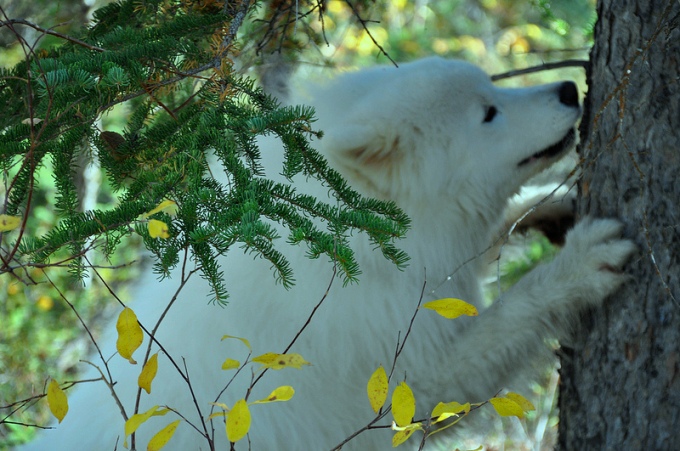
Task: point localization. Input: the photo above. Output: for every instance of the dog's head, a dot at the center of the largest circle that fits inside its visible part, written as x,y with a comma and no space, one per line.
425,130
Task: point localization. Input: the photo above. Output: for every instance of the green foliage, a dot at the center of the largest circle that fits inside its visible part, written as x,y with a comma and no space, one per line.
170,63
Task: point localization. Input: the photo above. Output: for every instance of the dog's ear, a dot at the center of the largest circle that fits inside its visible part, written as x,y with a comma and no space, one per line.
379,153
363,146
366,157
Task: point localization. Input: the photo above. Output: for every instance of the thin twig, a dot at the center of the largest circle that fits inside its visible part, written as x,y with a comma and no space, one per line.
368,426
399,348
363,23
50,32
299,332
546,66
81,320
153,339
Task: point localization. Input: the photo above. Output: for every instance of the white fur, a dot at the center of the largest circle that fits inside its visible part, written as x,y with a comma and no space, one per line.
415,135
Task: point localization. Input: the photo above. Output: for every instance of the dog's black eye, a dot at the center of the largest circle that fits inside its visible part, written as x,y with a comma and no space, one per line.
491,112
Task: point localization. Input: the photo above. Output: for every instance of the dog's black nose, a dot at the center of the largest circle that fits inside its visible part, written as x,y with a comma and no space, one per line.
568,93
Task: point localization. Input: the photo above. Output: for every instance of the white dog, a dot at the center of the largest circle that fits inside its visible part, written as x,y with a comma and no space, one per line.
450,148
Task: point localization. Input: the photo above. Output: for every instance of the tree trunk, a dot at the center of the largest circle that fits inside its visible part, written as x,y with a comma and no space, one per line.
621,379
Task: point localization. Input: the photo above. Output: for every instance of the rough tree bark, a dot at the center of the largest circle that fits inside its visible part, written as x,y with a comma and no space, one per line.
621,379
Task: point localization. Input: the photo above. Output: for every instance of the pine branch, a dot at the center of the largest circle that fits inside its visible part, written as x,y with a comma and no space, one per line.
173,70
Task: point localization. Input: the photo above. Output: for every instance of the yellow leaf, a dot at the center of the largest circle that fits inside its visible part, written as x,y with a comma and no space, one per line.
401,436
280,361
130,334
524,403
507,407
238,421
56,399
451,308
377,389
158,229
138,419
283,393
219,404
8,222
243,340
148,373
410,426
230,364
443,411
162,437
404,433
223,413
168,206
403,405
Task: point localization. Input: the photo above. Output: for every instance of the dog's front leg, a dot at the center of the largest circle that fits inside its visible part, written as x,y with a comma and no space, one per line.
509,336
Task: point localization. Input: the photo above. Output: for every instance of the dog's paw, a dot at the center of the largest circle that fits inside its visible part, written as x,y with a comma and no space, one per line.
592,258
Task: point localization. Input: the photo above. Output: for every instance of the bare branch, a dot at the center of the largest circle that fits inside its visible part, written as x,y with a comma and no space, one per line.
363,23
546,66
51,32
